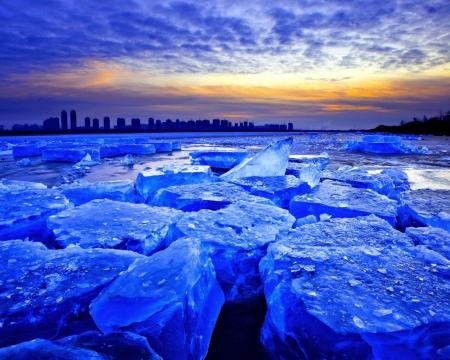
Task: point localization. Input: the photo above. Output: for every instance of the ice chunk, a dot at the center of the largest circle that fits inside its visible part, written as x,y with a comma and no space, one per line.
127,160
27,150
271,161
237,238
340,200
17,186
211,195
310,219
46,293
172,298
310,175
400,180
86,161
24,162
425,208
279,189
380,144
67,154
218,159
360,178
434,238
148,182
118,190
176,145
320,161
109,150
24,213
137,149
350,288
113,224
162,146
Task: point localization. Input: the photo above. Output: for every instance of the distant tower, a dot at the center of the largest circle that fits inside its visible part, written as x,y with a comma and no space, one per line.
120,123
87,123
136,123
73,120
95,124
106,123
290,127
151,123
64,120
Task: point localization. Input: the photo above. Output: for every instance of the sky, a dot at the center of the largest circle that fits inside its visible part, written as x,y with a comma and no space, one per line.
320,64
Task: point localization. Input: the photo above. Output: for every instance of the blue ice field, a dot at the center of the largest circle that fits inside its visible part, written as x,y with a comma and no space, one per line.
381,144
218,159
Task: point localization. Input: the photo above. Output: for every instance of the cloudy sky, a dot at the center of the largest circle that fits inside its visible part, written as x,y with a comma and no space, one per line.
321,64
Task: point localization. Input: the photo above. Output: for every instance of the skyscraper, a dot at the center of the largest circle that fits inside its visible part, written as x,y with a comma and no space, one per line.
64,120
106,123
87,123
95,124
73,120
136,123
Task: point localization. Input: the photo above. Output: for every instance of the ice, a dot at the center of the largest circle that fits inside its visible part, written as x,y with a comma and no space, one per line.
321,161
340,200
67,154
380,144
27,150
113,224
351,288
46,293
237,238
24,162
86,161
172,298
127,160
360,178
271,161
279,189
421,208
137,149
18,186
211,195
310,219
163,146
433,238
218,159
24,213
109,150
148,182
118,190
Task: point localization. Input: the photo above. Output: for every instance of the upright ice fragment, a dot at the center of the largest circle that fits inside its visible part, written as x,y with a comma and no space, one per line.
113,224
18,186
69,154
237,238
340,200
127,160
271,161
172,298
351,288
218,159
24,162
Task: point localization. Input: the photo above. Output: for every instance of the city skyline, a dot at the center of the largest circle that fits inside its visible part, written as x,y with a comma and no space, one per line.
318,64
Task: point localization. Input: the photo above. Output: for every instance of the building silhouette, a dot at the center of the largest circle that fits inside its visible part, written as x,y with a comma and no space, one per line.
158,125
87,122
120,123
73,120
51,124
136,123
151,123
64,120
95,124
106,123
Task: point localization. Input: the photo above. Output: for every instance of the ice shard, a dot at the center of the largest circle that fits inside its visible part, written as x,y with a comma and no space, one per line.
351,288
66,154
433,238
18,186
46,293
218,159
210,195
172,298
148,182
320,161
113,224
237,238
271,161
137,149
340,200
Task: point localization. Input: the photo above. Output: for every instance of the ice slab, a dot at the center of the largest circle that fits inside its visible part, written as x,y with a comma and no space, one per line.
118,190
172,298
24,213
27,150
310,219
86,161
320,161
380,144
211,195
351,288
425,207
18,186
113,224
163,146
218,159
237,238
46,293
109,150
279,189
360,178
137,149
148,182
400,180
271,161
69,154
433,238
340,200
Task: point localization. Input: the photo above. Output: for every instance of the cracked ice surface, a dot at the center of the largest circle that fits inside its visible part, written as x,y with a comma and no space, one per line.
46,293
237,238
172,298
137,227
211,195
433,238
352,288
340,200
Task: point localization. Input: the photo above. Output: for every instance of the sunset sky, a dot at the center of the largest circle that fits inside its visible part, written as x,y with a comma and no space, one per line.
320,64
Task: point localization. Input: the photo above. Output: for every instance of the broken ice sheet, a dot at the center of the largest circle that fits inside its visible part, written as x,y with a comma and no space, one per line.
218,159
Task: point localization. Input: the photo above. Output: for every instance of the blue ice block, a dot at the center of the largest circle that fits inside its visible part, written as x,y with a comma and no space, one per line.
67,154
351,288
211,195
172,298
279,189
218,159
18,186
46,293
118,190
148,182
380,144
24,213
425,207
433,238
400,180
340,200
109,150
138,149
320,161
271,161
237,238
114,224
27,150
